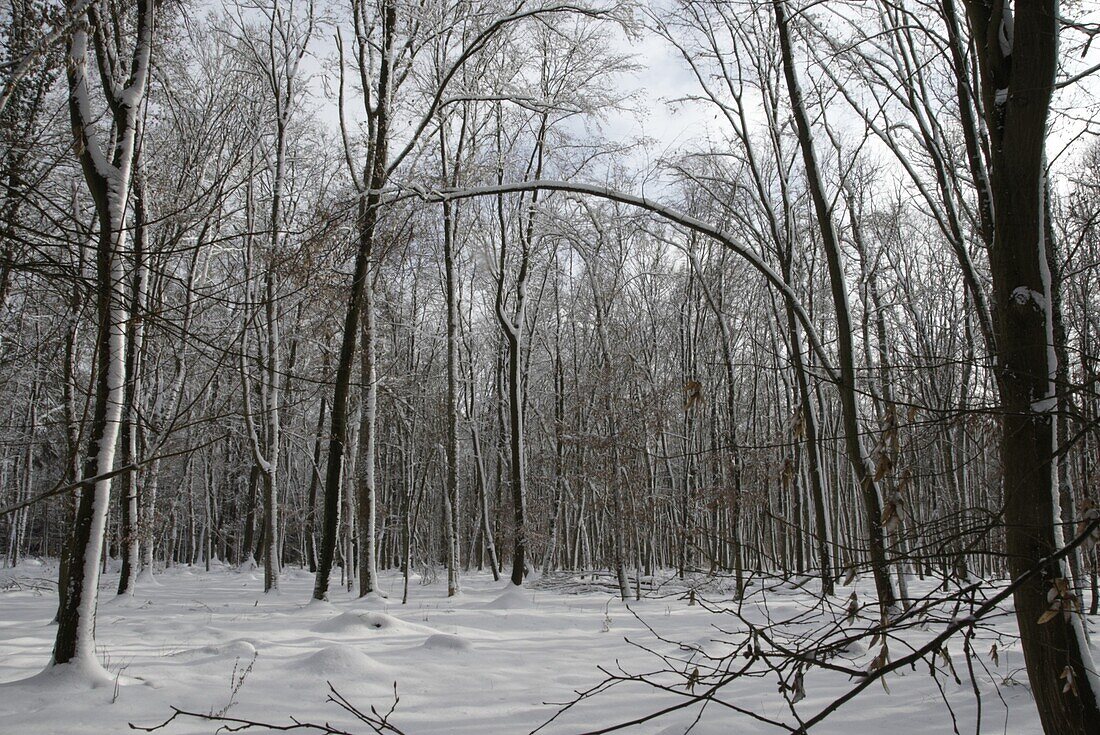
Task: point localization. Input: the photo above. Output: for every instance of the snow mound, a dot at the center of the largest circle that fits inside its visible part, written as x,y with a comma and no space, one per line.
701,728
78,674
716,648
127,602
357,621
340,661
513,597
315,605
238,648
446,642
295,573
372,599
147,578
853,648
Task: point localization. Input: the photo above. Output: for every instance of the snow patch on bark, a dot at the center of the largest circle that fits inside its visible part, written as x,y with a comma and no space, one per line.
1022,296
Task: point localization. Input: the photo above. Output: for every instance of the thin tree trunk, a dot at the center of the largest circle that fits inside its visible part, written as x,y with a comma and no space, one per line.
367,220
109,184
872,503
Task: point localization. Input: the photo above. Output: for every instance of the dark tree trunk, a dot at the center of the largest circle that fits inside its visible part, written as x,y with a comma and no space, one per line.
872,504
374,179
1017,81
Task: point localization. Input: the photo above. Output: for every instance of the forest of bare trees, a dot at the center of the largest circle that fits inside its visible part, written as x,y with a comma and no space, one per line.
395,286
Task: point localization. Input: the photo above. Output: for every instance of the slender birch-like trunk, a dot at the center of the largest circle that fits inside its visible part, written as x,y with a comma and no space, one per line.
108,178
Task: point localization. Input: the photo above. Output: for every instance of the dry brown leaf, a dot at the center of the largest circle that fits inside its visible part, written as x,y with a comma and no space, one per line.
879,662
890,517
885,465
1071,681
1048,615
693,394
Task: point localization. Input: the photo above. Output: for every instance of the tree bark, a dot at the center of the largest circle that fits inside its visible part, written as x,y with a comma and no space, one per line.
1017,48
108,180
872,503
367,218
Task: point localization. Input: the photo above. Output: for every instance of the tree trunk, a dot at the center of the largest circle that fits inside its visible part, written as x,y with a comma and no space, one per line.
368,542
1017,58
872,503
108,180
367,220
131,427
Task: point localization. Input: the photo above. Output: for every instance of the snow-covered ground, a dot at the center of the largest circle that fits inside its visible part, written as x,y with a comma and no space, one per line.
491,660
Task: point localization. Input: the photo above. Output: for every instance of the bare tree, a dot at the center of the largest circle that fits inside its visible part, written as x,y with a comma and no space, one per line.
108,174
1017,53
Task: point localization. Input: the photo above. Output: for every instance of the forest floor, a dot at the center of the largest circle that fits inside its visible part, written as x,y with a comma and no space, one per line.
491,660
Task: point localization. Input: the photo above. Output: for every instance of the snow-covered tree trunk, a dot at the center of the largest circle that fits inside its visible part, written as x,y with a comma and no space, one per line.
73,423
558,373
368,429
165,405
265,450
108,177
274,379
131,425
310,529
511,326
450,288
483,499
